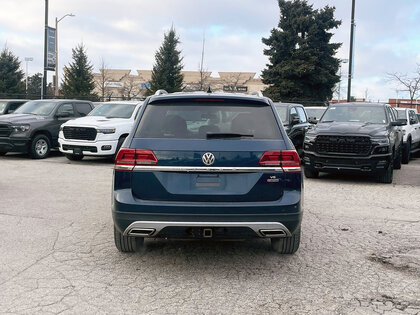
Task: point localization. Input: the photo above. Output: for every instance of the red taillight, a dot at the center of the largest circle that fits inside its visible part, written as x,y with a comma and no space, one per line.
288,160
128,158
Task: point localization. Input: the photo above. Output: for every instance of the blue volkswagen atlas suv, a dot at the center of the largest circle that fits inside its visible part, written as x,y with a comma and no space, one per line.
207,166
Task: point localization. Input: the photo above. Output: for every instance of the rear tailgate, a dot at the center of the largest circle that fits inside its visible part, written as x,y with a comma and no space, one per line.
181,175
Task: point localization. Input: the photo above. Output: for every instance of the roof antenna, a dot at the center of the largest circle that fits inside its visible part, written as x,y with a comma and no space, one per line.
209,90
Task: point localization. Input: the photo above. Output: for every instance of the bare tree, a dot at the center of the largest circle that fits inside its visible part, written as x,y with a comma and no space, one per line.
408,84
131,87
204,74
102,79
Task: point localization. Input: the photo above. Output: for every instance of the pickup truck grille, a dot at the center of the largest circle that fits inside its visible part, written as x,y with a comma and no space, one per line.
353,145
5,130
79,133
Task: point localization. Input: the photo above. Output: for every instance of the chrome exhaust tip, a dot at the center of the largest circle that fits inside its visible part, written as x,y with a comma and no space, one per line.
273,233
139,232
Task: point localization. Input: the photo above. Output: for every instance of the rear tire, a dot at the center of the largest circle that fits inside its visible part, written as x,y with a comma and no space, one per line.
310,172
73,157
398,160
127,244
386,175
406,152
40,147
287,245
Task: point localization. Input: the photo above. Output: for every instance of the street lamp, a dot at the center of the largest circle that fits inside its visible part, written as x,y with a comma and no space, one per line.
339,82
56,51
27,59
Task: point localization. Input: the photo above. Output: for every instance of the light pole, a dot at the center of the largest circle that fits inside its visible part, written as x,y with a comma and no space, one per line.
56,52
339,82
351,56
27,59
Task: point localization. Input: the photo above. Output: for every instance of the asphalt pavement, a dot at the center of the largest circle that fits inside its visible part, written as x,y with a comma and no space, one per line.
360,251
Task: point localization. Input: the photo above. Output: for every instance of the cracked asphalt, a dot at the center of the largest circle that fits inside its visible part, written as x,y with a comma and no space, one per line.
360,251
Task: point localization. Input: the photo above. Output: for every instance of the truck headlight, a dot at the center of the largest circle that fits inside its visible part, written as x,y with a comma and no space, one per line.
106,130
380,140
20,128
310,138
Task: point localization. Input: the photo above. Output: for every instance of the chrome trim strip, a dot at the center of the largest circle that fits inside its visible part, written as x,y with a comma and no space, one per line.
197,169
159,225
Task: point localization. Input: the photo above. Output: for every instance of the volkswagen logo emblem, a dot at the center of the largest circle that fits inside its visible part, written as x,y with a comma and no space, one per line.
208,158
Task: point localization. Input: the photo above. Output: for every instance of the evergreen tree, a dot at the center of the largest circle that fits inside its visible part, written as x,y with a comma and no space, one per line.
78,77
34,85
301,65
166,72
11,76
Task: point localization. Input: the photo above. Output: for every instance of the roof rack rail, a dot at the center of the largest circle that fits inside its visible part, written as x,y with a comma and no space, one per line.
257,93
160,92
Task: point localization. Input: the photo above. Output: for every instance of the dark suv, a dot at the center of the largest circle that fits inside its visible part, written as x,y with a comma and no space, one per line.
295,121
34,126
9,106
212,166
362,137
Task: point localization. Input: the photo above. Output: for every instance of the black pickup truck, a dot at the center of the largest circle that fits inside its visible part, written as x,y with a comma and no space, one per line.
355,137
295,122
33,128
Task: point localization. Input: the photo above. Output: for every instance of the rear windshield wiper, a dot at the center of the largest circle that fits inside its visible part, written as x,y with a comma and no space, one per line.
227,135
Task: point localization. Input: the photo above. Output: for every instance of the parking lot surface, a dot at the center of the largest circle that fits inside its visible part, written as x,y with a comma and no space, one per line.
360,251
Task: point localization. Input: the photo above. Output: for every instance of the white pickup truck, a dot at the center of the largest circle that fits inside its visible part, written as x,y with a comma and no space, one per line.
100,133
411,132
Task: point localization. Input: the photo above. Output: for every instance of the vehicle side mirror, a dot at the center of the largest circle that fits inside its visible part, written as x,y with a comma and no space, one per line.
62,115
312,120
399,122
295,120
413,121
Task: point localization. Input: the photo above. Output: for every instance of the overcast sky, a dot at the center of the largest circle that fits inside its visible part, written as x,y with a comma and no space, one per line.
127,33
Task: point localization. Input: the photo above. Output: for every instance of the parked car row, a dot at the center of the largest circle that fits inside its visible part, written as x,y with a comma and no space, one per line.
74,127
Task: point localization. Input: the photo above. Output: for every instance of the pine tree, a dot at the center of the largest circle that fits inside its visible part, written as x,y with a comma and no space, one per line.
166,72
78,77
34,85
11,76
302,66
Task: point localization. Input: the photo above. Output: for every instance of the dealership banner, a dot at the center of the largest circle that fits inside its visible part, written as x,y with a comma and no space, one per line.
51,58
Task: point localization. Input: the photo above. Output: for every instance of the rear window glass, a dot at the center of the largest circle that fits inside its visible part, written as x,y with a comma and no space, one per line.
208,120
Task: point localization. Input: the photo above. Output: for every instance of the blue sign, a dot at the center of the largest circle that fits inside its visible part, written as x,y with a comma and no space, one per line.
145,85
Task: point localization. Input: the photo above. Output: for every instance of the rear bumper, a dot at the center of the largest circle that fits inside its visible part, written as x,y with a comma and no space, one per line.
91,148
14,145
327,163
171,219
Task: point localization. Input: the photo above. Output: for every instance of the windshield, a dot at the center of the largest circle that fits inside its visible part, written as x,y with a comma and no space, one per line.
2,107
113,110
208,120
315,112
354,113
401,114
282,112
43,108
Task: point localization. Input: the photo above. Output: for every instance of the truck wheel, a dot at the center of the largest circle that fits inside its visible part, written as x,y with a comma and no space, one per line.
127,244
406,152
73,157
386,175
286,245
310,172
398,159
40,147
